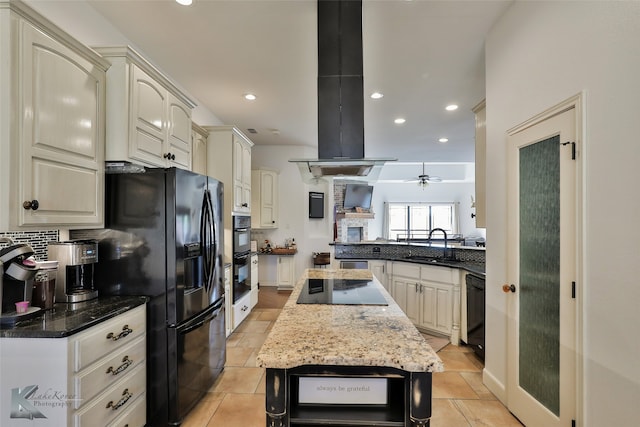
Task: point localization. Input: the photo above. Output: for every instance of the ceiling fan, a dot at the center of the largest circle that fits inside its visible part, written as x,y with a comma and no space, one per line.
424,179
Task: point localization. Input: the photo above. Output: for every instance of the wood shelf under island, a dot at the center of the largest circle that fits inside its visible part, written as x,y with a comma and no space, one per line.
346,364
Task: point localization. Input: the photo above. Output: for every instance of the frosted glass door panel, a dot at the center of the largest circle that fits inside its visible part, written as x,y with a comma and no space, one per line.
539,313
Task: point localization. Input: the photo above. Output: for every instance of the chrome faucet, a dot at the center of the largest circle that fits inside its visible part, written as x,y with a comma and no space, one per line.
444,252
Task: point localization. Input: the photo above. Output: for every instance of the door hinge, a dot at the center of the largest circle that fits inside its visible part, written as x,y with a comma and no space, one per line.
573,149
573,290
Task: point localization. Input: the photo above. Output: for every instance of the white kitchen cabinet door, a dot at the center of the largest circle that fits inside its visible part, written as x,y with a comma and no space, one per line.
53,168
378,270
199,149
179,133
254,280
149,117
481,159
405,294
436,302
241,175
286,272
264,193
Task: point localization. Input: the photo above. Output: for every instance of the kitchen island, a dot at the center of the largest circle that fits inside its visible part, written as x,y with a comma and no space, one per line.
343,364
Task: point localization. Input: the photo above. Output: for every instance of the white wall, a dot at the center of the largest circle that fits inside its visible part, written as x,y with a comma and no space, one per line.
312,235
537,55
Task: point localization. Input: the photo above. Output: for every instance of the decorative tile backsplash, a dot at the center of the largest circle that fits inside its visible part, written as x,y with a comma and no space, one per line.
36,239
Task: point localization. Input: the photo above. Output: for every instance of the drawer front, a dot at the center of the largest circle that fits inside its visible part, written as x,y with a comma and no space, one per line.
406,269
135,416
241,310
115,401
108,336
101,375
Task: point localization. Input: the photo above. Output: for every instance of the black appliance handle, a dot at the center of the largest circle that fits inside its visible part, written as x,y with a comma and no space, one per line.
199,321
210,250
241,229
203,236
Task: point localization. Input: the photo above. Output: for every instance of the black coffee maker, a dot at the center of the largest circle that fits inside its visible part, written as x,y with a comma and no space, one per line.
76,260
16,280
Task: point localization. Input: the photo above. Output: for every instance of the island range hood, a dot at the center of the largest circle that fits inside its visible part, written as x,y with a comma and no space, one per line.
340,97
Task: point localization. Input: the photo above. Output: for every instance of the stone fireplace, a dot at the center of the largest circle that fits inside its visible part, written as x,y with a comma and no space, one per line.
351,227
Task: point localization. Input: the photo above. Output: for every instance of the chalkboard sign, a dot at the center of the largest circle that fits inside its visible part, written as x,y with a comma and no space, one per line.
316,205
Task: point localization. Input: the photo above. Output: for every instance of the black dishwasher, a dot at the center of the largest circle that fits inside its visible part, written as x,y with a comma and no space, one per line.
475,313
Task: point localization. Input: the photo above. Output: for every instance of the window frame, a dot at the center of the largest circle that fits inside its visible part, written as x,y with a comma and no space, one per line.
411,233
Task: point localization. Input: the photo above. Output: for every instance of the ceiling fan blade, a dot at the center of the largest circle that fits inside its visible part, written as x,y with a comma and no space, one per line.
434,179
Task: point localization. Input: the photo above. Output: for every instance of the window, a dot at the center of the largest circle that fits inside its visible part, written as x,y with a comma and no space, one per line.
415,220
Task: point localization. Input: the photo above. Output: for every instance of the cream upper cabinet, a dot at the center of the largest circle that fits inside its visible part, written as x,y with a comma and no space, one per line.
52,116
481,168
264,194
199,149
148,117
241,174
229,161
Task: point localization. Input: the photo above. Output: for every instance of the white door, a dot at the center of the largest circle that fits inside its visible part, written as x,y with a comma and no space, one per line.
541,271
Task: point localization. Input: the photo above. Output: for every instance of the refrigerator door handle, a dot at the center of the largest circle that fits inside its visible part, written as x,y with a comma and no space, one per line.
210,250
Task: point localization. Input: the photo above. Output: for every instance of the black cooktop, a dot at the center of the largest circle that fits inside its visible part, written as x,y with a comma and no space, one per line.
341,292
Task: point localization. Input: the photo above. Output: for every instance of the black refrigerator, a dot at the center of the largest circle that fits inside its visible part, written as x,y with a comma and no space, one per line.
163,238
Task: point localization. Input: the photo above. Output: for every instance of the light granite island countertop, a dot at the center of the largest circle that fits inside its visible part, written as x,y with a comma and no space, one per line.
335,343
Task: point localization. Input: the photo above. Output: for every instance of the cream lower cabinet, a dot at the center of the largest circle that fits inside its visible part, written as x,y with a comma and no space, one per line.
286,275
429,296
254,280
94,377
148,117
241,309
52,99
378,268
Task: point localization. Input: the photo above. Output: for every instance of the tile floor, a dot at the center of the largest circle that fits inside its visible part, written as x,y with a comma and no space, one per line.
237,398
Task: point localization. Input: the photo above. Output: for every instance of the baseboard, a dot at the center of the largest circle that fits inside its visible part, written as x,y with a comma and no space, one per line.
496,387
268,285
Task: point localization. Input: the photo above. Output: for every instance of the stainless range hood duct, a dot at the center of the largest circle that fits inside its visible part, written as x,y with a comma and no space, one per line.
340,96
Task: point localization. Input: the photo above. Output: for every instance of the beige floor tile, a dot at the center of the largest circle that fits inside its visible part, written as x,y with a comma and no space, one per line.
262,385
238,356
234,339
251,360
474,379
254,326
238,380
246,410
268,314
444,413
484,413
252,340
203,411
459,361
458,348
450,385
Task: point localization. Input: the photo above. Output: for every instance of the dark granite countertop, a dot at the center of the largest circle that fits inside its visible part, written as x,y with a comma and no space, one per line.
470,266
62,321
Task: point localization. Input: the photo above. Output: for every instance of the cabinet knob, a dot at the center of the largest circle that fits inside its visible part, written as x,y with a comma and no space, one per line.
508,288
173,157
273,222
169,156
245,205
473,215
33,204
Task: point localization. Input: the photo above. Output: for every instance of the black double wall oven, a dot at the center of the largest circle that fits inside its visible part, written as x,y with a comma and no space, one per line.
241,256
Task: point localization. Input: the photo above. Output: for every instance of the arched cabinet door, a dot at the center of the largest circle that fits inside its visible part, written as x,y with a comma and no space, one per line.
57,176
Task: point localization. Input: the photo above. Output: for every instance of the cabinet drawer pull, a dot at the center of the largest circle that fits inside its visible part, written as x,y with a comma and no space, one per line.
126,363
125,331
125,398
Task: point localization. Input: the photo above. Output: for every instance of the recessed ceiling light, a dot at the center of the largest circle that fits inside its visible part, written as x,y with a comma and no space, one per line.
250,96
451,107
399,121
376,95
443,140
184,2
